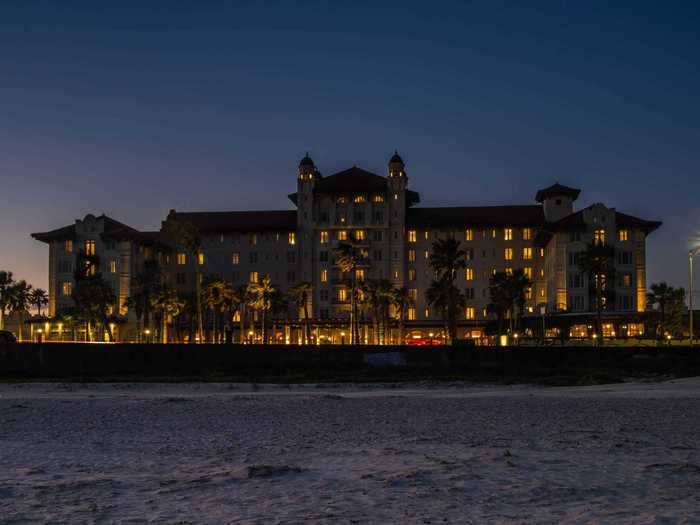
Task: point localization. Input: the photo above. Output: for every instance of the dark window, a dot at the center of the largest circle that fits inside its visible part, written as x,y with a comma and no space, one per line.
181,278
291,257
377,235
253,257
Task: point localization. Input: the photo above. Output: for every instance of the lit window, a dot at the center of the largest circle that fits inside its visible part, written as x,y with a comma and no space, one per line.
623,235
541,252
253,278
378,198
359,199
599,237
411,255
324,237
426,254
359,274
508,254
426,313
89,247
342,295
359,235
413,294
626,280
235,258
427,235
508,234
468,234
181,259
469,274
112,266
469,312
396,274
324,276
528,293
509,271
66,288
69,246
342,235
292,238
493,233
200,258
411,235
411,275
396,196
411,313
541,272
528,272
527,254
527,234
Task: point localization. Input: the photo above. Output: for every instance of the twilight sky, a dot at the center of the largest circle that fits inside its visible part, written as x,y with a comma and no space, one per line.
134,108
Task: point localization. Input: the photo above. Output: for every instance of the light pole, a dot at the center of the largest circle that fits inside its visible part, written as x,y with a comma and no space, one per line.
692,253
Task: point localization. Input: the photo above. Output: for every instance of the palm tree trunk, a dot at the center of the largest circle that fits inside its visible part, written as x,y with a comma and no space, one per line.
198,291
599,317
241,320
263,327
307,327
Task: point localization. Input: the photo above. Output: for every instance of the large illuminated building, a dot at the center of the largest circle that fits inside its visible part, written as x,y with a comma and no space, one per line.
382,217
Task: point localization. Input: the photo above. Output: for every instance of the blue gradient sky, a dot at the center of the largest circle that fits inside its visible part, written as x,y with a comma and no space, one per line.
139,107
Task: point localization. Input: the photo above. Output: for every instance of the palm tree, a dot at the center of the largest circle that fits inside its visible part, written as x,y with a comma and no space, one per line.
596,261
262,294
446,260
279,304
348,258
38,298
6,283
217,296
447,299
401,300
508,296
370,300
167,302
19,302
92,296
187,235
300,294
144,285
240,299
666,297
385,296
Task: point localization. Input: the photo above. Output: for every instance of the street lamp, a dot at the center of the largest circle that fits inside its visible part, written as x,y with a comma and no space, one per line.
692,253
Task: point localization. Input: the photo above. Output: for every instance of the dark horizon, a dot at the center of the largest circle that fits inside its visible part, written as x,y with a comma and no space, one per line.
133,110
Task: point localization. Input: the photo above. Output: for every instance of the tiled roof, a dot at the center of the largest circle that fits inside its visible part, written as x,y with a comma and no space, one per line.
246,221
113,228
527,215
353,179
575,221
557,190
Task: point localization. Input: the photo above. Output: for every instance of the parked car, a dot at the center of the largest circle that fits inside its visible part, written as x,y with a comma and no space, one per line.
7,337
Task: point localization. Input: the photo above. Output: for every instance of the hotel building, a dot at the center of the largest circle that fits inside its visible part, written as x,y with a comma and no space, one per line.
382,217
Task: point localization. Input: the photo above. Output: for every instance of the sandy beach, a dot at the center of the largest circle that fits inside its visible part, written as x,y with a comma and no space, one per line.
419,453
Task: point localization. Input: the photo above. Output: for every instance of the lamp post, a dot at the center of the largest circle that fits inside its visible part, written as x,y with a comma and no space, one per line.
692,253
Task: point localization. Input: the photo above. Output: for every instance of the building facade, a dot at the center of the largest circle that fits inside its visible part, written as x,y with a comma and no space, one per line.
382,218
